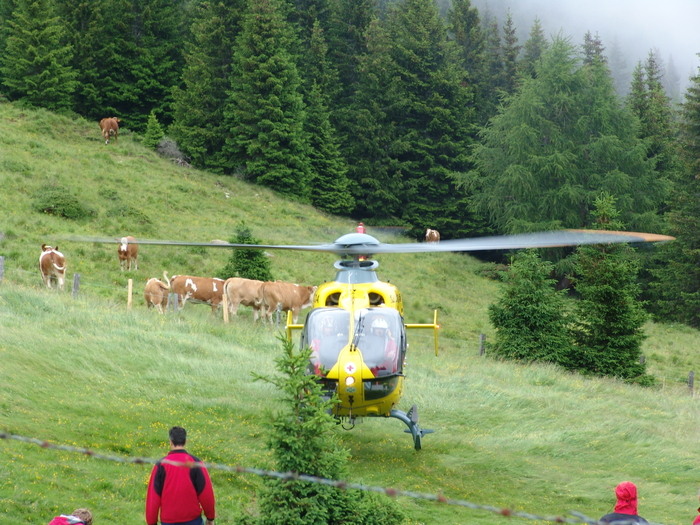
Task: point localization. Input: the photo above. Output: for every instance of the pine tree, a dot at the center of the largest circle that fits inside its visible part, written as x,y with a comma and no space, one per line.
141,59
154,132
303,439
608,331
511,53
434,120
198,108
35,65
368,132
85,24
529,317
464,29
329,184
248,264
265,110
676,293
534,46
562,139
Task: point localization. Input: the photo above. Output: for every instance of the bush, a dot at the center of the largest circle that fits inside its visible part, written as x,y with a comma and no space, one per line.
59,201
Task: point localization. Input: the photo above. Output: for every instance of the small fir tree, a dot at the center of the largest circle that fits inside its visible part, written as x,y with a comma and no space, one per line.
249,264
154,132
304,440
608,327
529,317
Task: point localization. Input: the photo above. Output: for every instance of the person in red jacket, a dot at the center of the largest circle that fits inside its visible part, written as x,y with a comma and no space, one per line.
696,521
179,493
78,516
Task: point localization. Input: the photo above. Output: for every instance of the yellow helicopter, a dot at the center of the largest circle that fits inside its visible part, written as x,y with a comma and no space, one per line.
356,328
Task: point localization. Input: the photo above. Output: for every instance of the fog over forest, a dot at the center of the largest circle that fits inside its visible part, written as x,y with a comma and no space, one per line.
635,26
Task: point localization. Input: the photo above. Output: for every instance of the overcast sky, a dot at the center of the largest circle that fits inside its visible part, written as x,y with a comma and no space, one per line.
670,26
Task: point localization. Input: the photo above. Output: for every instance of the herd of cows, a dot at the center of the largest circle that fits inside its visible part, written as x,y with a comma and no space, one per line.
264,297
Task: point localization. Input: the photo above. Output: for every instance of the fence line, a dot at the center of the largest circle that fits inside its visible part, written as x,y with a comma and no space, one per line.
344,485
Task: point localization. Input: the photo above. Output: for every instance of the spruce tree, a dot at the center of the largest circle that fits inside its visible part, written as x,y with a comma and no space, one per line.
511,54
529,317
141,59
609,318
154,132
676,292
265,110
85,24
35,65
534,46
303,439
433,118
248,264
199,101
464,29
329,184
368,132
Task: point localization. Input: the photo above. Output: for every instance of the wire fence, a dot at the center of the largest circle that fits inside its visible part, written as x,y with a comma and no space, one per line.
575,516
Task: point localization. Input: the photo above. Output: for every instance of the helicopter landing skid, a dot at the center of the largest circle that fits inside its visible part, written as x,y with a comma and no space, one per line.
411,420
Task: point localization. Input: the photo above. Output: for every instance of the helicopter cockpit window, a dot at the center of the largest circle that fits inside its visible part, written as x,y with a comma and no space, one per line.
380,337
326,332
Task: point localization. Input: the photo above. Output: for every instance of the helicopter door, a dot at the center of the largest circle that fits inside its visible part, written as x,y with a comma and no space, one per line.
326,332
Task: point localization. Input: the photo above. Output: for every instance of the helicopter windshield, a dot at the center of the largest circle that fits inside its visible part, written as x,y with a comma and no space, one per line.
379,333
326,332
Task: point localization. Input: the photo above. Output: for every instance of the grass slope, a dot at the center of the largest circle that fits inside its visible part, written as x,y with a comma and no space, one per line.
87,372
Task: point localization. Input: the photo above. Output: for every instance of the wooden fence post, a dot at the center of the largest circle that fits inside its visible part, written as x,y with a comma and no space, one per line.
691,382
224,305
2,267
129,293
76,284
482,344
172,302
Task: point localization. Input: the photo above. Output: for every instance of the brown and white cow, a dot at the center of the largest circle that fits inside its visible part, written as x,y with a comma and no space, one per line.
286,297
246,292
156,294
128,253
432,235
207,290
110,128
52,264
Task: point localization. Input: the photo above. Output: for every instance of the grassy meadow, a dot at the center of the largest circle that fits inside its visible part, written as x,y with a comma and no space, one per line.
87,372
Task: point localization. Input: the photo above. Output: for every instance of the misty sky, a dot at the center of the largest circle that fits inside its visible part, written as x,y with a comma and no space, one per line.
669,26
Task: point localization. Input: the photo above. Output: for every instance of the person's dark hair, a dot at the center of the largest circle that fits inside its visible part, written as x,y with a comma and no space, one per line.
178,436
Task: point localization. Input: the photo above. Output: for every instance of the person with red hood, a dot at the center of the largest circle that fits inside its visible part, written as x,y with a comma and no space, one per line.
626,506
696,521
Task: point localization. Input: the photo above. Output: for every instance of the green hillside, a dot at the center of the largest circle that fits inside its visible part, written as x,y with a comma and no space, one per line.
87,372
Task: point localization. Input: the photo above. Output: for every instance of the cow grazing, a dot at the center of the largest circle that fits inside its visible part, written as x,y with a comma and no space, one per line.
432,235
110,128
286,297
52,264
207,290
128,253
246,292
156,294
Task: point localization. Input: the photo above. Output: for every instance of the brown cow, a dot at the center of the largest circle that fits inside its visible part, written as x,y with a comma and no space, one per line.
207,290
52,264
110,128
156,294
286,297
128,253
246,292
432,235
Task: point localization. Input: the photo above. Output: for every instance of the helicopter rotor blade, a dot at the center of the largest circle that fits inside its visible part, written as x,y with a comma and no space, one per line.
354,244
